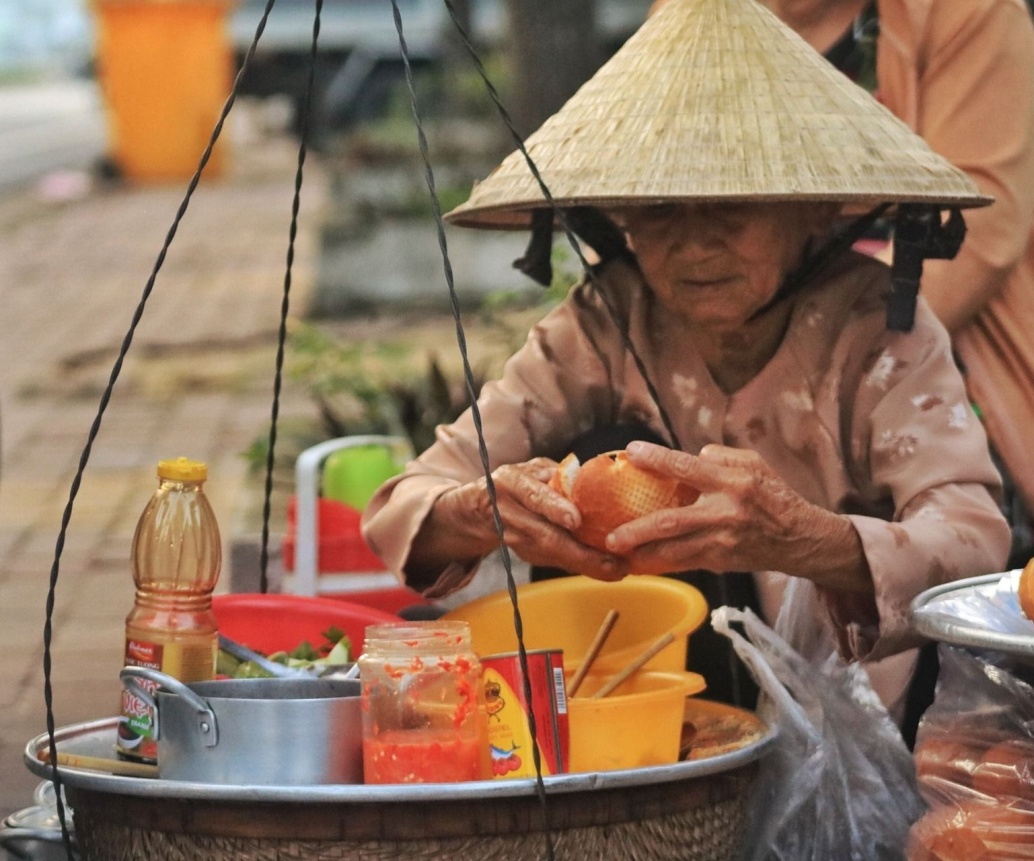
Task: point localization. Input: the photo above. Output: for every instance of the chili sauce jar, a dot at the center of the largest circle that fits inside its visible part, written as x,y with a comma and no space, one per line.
423,704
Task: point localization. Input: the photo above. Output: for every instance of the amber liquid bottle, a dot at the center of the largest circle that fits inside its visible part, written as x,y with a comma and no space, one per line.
176,558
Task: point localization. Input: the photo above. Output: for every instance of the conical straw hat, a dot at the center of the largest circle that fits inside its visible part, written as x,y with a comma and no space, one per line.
717,100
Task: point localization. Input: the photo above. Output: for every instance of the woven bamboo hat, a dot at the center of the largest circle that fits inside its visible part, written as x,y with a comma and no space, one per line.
717,100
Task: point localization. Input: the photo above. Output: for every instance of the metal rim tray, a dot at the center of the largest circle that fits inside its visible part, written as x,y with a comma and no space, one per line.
933,616
97,738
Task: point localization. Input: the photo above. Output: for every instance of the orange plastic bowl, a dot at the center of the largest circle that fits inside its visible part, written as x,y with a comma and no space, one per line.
566,613
636,726
273,622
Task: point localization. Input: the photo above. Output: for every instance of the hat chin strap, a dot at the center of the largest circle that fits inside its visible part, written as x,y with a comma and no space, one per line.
590,224
919,234
819,259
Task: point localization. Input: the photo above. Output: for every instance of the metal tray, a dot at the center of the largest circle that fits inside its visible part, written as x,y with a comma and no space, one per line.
97,738
979,612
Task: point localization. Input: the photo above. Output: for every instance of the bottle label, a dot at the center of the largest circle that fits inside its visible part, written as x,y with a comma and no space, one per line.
192,661
136,724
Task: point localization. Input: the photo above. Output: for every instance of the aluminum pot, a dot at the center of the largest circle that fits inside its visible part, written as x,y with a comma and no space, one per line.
34,833
254,732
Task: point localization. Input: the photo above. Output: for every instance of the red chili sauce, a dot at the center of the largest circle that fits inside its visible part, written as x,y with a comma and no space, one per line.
421,756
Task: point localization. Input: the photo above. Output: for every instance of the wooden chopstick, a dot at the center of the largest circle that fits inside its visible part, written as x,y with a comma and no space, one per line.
593,651
99,763
658,644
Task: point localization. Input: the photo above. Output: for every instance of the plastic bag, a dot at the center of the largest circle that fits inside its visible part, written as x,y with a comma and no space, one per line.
975,762
839,783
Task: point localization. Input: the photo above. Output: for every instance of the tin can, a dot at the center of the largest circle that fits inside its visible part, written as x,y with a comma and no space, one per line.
509,730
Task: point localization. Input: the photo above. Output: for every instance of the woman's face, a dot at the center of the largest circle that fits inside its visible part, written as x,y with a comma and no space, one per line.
717,264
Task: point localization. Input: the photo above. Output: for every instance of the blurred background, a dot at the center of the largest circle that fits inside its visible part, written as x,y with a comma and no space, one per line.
105,109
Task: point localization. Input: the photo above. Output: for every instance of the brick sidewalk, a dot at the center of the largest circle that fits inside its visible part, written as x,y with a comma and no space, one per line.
197,382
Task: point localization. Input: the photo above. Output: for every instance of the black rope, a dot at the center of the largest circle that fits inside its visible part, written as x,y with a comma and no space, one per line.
286,303
561,216
476,416
48,624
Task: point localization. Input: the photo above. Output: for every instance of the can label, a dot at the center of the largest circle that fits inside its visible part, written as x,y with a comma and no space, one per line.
509,730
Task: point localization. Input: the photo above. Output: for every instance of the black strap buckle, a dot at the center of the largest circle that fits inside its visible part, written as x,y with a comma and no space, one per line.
919,234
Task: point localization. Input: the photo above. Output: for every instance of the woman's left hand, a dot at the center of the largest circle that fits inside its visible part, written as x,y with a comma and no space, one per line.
747,518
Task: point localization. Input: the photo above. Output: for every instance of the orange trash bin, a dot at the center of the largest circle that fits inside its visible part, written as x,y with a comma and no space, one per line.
165,69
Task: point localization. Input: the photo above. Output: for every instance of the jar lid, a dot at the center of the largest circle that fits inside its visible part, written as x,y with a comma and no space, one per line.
183,469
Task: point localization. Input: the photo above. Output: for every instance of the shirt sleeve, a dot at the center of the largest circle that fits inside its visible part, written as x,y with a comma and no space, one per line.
975,107
921,446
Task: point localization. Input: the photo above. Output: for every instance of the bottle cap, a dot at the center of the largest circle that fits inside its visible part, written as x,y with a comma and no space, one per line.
183,469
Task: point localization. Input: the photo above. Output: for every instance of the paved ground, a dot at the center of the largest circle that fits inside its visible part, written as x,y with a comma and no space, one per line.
198,382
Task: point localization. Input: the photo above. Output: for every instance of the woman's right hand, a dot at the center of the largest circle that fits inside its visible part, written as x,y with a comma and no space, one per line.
537,522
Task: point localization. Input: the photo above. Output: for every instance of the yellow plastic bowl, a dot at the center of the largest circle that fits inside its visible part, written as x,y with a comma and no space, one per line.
566,613
638,725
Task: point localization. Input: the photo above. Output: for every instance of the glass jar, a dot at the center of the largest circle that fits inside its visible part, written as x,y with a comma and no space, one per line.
424,718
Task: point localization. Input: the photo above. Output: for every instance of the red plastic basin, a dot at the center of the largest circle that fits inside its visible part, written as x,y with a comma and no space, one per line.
274,622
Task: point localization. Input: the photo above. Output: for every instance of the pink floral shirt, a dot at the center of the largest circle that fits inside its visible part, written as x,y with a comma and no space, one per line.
869,423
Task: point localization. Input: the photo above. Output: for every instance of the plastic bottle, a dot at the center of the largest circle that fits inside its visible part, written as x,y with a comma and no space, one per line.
176,558
424,717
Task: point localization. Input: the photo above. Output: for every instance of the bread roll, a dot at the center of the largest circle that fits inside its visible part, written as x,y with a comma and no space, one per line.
610,490
973,831
1026,590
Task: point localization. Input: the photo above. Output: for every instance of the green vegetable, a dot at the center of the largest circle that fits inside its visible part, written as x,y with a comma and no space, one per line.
226,664
304,652
251,670
336,649
340,653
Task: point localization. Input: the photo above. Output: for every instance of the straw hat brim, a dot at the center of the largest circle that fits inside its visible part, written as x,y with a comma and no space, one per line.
717,100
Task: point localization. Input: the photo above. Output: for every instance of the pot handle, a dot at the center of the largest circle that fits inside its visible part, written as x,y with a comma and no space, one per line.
206,723
12,841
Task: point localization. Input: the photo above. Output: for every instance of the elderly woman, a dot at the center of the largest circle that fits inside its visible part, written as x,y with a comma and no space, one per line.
741,330
952,71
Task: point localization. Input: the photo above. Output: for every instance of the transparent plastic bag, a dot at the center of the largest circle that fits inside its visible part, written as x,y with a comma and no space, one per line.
839,783
975,761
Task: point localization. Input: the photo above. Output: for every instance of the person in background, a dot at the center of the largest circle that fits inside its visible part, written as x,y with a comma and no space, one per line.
830,441
960,73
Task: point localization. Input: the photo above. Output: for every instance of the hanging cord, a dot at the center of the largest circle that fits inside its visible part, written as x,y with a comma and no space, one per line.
565,225
48,624
562,218
476,416
286,303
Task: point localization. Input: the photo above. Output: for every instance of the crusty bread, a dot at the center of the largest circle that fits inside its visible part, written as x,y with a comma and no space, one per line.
1026,590
610,490
973,830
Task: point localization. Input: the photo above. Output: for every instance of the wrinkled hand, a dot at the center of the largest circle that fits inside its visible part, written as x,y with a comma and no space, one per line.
537,520
747,518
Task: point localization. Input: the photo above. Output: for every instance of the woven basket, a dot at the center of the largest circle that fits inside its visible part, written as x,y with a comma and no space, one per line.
700,818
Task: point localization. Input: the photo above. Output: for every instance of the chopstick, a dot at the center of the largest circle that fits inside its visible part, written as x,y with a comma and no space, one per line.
593,651
658,644
99,763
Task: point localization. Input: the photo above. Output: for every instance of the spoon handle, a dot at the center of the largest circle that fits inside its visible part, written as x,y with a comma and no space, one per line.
243,653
